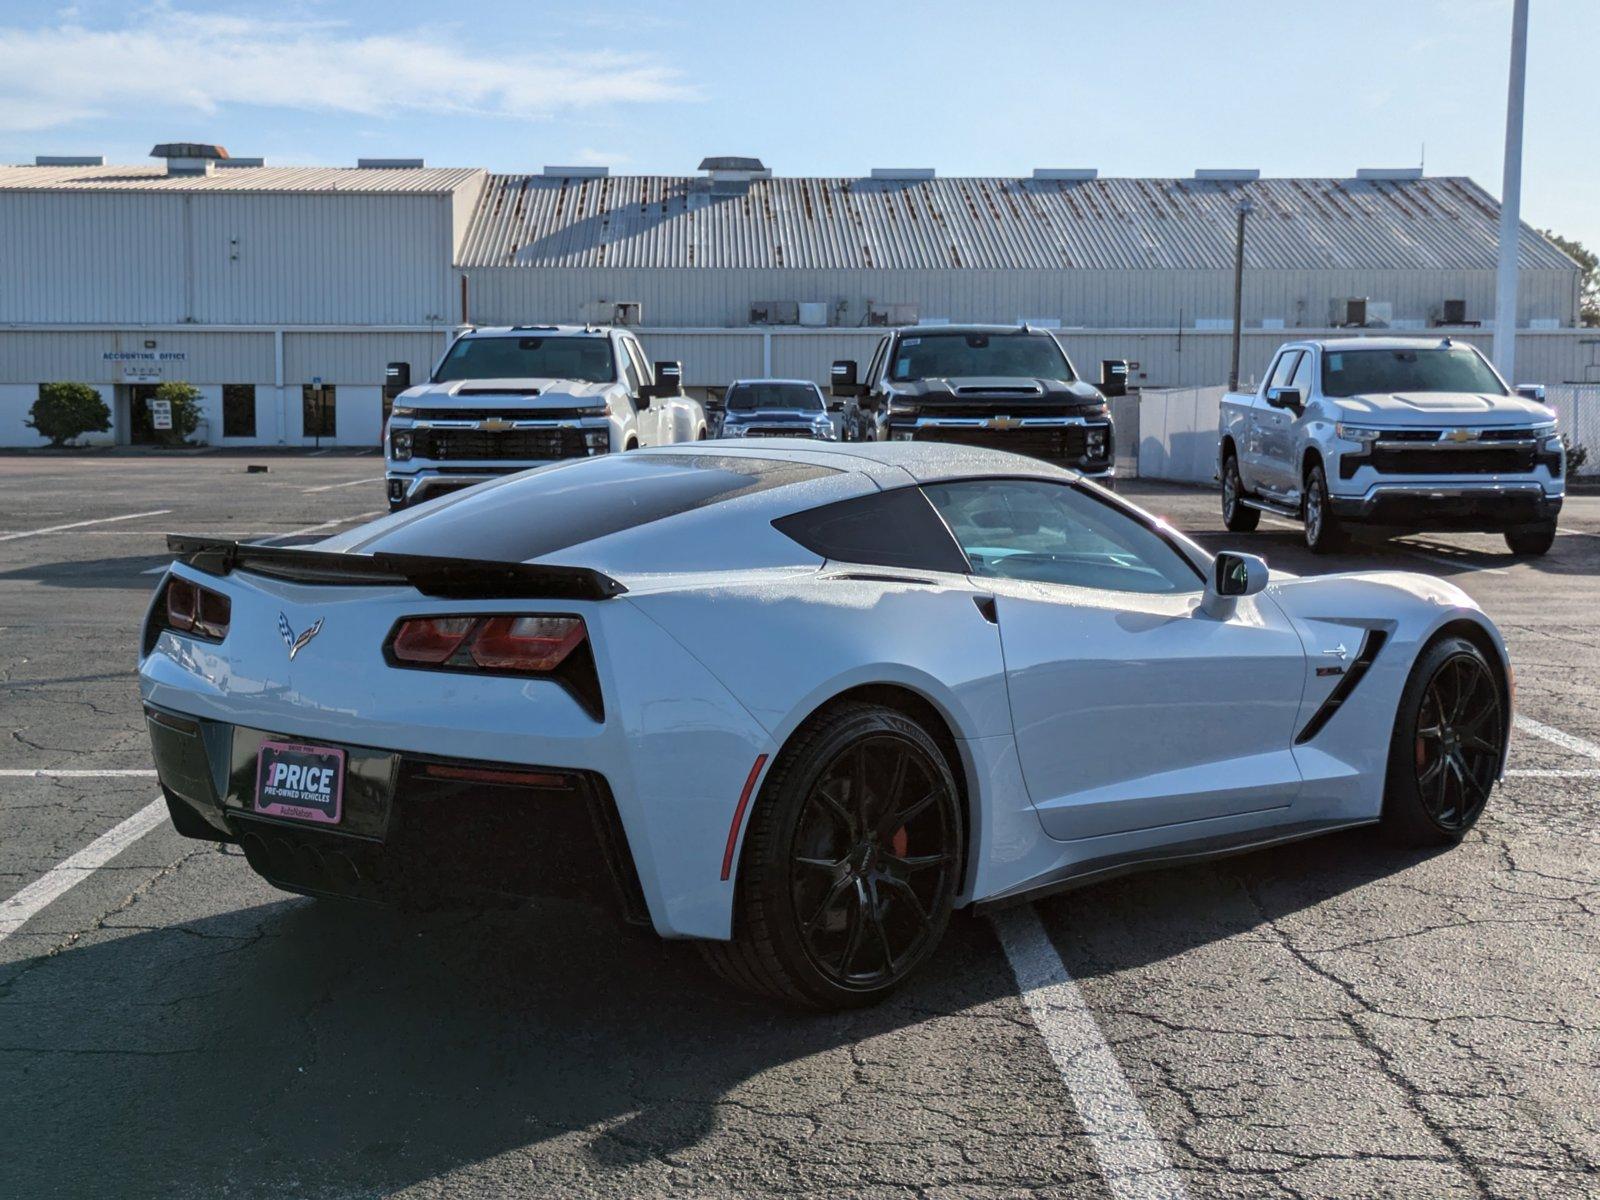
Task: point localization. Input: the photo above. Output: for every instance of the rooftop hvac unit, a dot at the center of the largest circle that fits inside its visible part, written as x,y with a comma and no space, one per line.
892,314
1453,312
613,312
775,312
1349,314
813,312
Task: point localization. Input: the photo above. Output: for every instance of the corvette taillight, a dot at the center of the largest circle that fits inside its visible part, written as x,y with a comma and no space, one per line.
530,645
197,611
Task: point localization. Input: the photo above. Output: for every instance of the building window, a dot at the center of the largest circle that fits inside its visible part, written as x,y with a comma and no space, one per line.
317,413
238,410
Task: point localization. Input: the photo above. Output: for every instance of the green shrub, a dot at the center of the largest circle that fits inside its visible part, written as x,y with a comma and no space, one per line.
185,401
65,411
1577,455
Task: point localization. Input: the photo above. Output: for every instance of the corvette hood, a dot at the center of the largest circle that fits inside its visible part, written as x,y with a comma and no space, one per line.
1424,409
531,393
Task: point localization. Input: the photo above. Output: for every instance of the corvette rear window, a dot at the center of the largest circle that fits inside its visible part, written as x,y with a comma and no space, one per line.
886,529
553,508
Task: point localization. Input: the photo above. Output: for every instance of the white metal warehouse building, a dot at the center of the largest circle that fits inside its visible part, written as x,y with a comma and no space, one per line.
282,292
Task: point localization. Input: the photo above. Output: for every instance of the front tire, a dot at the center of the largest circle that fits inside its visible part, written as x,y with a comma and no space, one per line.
850,864
1449,739
1324,532
1532,539
1236,515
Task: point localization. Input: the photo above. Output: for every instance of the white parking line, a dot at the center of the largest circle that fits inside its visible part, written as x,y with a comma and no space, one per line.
1132,1159
1552,773
53,773
1455,564
1565,740
11,537
328,487
67,874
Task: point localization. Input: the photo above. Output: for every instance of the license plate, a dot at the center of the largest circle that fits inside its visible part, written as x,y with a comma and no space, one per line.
298,781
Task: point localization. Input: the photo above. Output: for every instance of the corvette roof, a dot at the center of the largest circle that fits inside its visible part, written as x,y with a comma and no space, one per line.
888,464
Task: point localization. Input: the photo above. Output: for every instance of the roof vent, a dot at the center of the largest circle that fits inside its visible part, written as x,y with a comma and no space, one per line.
243,162
577,172
1065,173
1227,174
1389,173
390,164
69,160
903,172
732,168
189,158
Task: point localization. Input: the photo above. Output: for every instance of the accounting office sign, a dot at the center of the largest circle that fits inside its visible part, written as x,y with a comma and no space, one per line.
145,366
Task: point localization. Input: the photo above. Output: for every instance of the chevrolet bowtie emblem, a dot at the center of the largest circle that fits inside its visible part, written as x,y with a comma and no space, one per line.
1463,435
494,425
1003,422
296,644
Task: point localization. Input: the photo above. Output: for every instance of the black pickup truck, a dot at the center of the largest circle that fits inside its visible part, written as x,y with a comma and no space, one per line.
1009,387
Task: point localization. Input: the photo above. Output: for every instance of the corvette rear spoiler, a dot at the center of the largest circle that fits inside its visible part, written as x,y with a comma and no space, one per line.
447,578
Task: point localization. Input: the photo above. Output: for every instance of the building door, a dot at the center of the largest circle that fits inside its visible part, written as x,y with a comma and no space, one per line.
141,426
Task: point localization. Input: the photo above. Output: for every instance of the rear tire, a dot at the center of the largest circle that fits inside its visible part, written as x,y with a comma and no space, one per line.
1324,533
1532,539
850,863
1449,738
1236,515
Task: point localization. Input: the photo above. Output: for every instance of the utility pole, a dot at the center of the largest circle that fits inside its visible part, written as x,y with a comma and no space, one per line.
1243,211
1505,298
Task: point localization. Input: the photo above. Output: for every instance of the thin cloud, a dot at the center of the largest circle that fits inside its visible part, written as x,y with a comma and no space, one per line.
170,59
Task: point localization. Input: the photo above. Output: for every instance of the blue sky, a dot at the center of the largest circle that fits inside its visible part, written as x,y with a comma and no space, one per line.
1135,87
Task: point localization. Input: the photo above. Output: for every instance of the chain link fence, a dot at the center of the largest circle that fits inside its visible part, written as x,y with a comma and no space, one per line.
1577,406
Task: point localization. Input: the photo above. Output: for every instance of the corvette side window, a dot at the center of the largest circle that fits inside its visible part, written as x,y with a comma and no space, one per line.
1054,533
887,529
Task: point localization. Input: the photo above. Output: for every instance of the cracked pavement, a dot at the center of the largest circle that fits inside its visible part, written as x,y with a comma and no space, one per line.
1329,1019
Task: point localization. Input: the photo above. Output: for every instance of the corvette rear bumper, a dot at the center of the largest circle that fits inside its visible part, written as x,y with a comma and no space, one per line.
415,830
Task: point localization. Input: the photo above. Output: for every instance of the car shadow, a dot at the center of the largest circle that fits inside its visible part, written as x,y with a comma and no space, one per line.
320,1048
129,571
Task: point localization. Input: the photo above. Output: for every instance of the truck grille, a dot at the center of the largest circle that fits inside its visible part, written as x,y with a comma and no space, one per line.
512,445
1487,461
504,414
794,431
1058,443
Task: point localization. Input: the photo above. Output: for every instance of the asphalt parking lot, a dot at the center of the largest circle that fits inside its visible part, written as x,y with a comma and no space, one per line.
1328,1019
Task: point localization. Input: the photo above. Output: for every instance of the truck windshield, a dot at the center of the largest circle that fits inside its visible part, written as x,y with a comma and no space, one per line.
798,397
955,355
582,359
1363,372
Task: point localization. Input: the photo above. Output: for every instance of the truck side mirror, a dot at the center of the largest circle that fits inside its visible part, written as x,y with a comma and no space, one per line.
842,379
397,377
835,405
669,382
1285,398
1531,391
1113,377
1232,576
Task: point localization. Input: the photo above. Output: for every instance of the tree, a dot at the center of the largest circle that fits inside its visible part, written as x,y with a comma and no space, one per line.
65,411
1588,280
185,401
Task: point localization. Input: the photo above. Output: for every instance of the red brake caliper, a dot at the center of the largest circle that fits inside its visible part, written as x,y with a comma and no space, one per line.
899,842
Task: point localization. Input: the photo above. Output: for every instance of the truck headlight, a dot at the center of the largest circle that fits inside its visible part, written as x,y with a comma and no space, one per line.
403,411
1549,438
597,441
902,406
400,444
1364,434
1094,441
732,429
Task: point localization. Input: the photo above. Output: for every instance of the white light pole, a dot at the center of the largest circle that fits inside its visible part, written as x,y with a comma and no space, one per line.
1505,298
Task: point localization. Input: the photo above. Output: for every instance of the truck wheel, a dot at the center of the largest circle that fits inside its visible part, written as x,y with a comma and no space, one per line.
1324,533
1532,539
1238,517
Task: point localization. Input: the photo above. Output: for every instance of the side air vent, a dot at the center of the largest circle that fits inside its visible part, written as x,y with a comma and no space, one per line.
1370,645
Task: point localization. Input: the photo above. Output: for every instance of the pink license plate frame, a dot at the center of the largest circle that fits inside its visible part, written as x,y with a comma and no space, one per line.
301,782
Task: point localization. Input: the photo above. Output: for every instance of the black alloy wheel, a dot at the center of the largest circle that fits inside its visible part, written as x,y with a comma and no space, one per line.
851,863
1448,745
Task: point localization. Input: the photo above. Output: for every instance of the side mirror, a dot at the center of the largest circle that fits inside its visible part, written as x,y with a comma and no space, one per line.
1285,398
1531,391
835,405
397,377
1232,575
1113,377
669,383
842,379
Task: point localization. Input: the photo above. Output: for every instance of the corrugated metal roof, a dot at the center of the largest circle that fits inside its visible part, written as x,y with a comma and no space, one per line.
650,221
425,181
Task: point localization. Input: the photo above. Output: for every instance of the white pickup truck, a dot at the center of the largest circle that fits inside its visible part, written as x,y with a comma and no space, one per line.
1403,434
509,398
